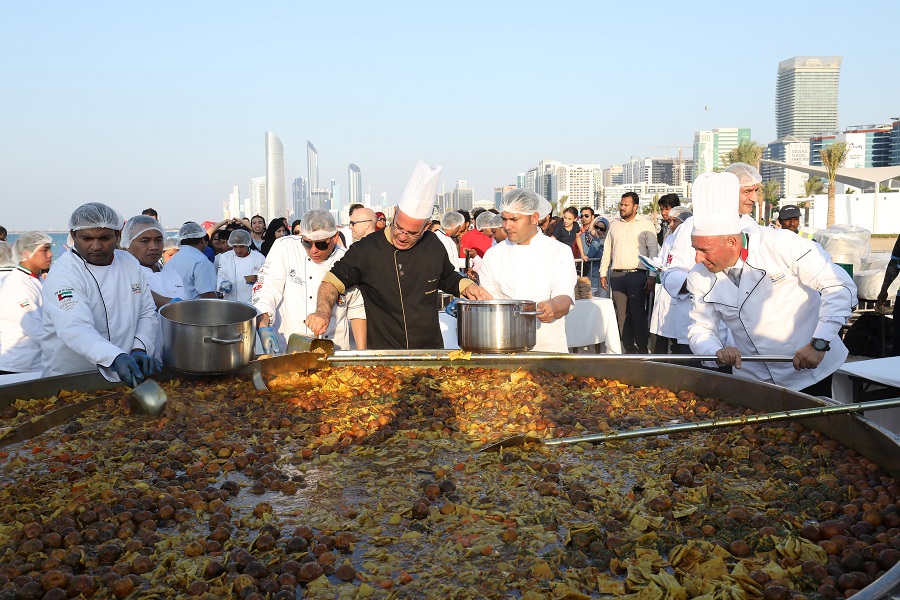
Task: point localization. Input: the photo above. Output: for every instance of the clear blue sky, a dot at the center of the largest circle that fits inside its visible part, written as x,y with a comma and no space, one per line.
166,104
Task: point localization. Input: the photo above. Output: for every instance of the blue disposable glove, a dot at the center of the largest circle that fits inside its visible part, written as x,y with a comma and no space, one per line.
269,340
226,286
147,364
451,308
127,368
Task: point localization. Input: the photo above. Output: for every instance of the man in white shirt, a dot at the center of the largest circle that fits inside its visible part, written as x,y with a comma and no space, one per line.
452,224
288,285
531,266
20,304
196,271
237,269
98,309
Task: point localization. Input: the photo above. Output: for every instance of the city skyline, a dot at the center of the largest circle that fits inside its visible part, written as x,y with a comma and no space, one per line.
102,106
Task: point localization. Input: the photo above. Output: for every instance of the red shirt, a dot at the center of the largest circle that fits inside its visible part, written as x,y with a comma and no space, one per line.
476,240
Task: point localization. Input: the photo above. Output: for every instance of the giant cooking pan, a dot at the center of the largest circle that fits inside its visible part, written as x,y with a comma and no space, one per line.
853,431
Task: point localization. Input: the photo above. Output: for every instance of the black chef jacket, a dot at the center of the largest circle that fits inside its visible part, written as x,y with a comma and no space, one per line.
399,287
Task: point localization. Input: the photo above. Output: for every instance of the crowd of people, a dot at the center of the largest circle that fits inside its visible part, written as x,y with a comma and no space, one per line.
708,281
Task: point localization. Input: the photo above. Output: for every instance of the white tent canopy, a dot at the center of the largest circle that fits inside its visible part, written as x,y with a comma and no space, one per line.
859,178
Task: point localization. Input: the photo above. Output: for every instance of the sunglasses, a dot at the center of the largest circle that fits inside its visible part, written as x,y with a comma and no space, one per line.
600,228
586,216
320,245
382,218
358,222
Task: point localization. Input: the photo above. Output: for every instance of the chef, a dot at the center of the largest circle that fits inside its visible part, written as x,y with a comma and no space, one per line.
452,224
143,237
236,271
98,309
776,292
20,304
531,266
289,281
671,311
399,270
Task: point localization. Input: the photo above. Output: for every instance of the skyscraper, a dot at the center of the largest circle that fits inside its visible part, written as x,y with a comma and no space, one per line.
276,203
793,151
354,190
299,196
312,165
806,96
258,197
711,147
335,197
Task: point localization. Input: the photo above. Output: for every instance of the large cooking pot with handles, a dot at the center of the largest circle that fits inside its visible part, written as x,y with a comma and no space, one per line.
207,336
496,326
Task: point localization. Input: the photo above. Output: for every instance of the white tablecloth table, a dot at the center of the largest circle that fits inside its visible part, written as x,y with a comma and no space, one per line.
871,380
593,322
589,322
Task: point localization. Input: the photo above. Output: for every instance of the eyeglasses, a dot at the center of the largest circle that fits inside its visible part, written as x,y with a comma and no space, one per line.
408,234
599,228
585,216
320,245
358,222
382,219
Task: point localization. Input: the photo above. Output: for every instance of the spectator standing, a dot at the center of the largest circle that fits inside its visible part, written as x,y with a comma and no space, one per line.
190,263
2,233
150,212
20,304
568,229
237,269
629,235
362,223
257,231
789,218
589,244
98,308
666,203
274,231
295,227
380,220
890,274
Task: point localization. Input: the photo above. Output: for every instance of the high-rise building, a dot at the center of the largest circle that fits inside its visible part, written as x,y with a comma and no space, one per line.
335,197
712,147
895,144
520,180
258,197
806,96
312,165
463,196
614,175
793,151
276,203
868,146
320,198
354,190
499,192
299,195
581,183
542,179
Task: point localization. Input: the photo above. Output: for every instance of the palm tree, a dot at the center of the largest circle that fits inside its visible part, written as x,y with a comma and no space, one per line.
814,185
771,192
833,158
747,151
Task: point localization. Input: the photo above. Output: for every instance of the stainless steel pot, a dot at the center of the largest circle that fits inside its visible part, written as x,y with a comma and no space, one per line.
207,336
496,326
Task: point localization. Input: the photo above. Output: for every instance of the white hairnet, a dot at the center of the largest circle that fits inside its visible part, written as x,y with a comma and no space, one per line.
317,224
190,231
137,225
496,221
6,259
545,209
682,213
28,242
523,202
484,220
452,219
239,237
170,242
93,215
747,174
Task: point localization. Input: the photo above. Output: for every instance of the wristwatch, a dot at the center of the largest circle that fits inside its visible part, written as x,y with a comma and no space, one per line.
820,344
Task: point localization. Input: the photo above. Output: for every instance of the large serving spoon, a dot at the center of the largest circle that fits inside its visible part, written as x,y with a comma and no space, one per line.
787,415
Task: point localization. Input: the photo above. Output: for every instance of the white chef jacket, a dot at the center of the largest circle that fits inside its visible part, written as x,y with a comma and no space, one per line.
91,314
450,245
671,311
195,269
537,271
4,272
233,268
288,287
20,322
790,292
169,285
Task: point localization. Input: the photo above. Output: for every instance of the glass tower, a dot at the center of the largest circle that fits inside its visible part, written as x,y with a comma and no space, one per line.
806,96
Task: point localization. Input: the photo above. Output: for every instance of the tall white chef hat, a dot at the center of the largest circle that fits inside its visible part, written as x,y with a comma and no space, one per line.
716,198
417,201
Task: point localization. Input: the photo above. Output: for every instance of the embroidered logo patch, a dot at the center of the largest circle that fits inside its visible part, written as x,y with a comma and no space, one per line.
25,303
669,259
777,278
135,288
64,294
